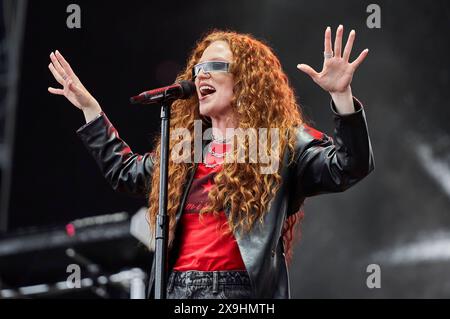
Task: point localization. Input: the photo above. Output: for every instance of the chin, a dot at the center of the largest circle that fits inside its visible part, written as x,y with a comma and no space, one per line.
211,109
206,109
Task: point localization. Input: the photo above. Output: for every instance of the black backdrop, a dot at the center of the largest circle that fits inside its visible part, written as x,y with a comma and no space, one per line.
124,48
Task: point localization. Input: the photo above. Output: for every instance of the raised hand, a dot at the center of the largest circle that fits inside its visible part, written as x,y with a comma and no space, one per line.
72,89
337,72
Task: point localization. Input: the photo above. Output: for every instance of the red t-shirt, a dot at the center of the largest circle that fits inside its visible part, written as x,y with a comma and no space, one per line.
203,244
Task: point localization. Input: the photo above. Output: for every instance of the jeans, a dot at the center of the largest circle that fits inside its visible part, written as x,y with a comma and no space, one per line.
209,285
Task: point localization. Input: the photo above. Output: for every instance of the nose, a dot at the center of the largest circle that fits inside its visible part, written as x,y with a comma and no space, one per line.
203,75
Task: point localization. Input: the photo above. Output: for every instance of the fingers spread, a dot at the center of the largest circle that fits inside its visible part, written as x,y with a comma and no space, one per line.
308,70
360,58
349,45
338,41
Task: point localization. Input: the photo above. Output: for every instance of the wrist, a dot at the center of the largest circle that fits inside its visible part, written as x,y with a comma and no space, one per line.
92,104
343,101
92,112
342,95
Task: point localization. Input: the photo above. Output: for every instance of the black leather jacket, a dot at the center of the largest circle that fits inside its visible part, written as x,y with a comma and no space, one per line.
321,166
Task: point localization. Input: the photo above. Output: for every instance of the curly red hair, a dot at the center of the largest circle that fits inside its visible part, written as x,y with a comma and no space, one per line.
263,98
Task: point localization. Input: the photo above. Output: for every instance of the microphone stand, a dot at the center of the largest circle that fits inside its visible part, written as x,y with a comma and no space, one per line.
164,96
161,233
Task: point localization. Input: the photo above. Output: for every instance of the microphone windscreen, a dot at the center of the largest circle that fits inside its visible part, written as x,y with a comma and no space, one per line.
188,88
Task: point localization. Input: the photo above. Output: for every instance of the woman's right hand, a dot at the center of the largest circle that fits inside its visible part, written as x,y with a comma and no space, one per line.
72,89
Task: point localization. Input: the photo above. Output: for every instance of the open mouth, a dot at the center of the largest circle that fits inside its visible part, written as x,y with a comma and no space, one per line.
206,90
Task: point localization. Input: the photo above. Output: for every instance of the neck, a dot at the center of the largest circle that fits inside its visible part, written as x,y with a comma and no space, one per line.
220,125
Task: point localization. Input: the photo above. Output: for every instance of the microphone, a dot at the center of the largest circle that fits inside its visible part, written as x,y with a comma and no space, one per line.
180,90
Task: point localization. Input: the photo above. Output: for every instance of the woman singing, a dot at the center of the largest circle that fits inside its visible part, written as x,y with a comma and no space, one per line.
232,221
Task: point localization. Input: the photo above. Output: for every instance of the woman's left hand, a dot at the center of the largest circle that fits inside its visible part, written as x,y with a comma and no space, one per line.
337,72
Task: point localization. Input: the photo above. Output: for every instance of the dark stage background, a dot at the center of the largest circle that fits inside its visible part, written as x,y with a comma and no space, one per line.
398,217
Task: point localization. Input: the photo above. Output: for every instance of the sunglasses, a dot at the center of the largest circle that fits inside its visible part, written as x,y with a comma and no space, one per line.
210,66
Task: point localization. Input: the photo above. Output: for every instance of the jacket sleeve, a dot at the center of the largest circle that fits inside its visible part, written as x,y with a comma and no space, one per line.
124,170
323,165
